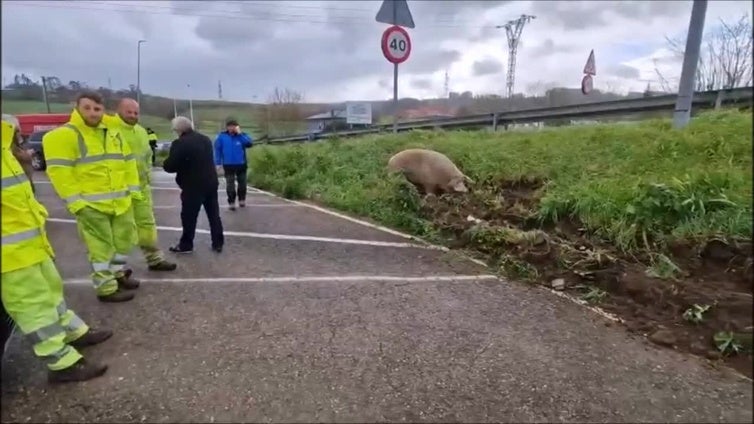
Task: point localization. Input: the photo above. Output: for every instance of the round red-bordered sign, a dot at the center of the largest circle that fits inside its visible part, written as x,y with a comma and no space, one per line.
396,44
587,84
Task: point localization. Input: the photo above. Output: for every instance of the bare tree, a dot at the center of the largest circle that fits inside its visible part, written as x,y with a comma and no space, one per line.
725,60
283,107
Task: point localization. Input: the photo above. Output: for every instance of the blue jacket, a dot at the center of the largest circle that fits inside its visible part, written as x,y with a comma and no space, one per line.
230,149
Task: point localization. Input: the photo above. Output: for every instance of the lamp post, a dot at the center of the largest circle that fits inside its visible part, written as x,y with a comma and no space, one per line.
191,106
138,70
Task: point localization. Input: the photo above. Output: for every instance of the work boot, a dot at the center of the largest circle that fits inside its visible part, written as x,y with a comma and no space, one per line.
117,297
91,338
163,265
80,371
127,282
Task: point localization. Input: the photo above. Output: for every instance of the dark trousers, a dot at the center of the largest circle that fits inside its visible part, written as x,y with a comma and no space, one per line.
191,202
154,155
235,174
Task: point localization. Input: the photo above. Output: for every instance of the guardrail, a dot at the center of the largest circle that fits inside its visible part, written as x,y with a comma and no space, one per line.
701,100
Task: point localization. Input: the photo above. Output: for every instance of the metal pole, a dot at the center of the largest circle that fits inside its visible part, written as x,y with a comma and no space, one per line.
682,113
395,98
191,107
395,80
138,70
44,94
175,109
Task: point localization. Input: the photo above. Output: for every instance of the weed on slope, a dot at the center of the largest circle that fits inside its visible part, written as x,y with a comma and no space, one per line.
651,223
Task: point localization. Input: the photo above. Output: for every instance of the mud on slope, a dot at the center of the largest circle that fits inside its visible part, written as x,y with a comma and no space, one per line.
500,222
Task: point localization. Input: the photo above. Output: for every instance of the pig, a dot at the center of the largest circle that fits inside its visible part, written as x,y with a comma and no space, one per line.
429,171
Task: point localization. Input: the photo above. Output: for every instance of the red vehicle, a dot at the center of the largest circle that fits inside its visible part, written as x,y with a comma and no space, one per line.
38,122
34,127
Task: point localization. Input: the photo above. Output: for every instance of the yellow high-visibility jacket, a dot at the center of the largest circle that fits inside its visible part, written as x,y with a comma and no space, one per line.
91,166
24,240
138,141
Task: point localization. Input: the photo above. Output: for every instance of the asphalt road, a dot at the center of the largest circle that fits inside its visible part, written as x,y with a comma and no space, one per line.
346,323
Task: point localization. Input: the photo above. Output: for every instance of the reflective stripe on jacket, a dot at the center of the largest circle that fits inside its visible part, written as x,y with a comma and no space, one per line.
91,166
138,141
24,241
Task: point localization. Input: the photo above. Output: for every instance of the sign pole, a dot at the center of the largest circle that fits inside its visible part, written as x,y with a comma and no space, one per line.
395,98
682,113
396,43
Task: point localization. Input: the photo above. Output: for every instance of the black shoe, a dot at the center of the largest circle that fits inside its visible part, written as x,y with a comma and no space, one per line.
163,266
179,249
80,371
242,203
128,283
117,297
217,249
232,207
91,338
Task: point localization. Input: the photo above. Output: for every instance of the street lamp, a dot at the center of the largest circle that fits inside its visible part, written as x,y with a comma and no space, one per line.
138,70
191,106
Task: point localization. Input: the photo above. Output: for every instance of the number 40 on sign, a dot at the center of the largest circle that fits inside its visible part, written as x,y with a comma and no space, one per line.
396,44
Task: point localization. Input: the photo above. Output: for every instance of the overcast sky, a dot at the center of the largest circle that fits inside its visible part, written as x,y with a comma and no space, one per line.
330,50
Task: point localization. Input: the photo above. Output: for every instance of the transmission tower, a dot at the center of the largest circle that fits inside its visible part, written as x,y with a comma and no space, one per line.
220,90
513,30
447,85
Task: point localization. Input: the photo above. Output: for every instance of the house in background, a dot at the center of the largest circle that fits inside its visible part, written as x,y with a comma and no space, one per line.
331,120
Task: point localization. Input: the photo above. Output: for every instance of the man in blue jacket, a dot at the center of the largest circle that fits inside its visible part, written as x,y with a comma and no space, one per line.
230,153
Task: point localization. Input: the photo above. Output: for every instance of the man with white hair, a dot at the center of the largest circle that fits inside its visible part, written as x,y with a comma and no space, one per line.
191,158
32,289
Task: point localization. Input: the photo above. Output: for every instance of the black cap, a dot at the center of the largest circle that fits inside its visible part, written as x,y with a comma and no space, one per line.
230,122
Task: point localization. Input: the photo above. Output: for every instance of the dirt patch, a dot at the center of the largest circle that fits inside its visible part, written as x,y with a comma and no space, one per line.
681,299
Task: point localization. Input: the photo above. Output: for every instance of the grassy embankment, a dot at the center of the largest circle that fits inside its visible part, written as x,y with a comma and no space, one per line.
622,213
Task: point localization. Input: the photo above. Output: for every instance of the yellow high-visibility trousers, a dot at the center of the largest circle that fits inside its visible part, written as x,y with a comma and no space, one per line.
109,239
146,227
33,297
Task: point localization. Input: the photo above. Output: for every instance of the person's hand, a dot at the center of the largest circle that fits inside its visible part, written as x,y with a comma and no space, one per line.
238,129
220,171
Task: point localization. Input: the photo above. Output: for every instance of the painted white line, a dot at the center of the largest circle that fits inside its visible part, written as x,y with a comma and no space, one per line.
597,310
312,279
286,237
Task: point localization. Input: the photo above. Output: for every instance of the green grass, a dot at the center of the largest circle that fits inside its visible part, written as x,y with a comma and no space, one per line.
625,183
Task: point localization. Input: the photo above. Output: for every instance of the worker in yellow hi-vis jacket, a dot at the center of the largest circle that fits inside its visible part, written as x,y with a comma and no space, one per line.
126,120
32,289
92,169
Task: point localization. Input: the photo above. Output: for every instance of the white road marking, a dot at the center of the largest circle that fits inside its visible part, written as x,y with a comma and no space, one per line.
312,279
597,310
286,237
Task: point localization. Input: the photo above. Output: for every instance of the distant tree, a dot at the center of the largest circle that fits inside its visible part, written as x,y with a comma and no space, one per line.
725,60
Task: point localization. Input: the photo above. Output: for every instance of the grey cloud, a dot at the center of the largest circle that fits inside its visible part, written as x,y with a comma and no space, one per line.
487,66
577,15
624,71
421,83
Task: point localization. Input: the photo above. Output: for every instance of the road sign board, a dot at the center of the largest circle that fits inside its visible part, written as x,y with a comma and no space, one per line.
590,68
395,12
396,44
587,84
359,113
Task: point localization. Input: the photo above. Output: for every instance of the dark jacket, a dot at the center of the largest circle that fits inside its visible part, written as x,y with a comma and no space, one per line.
191,158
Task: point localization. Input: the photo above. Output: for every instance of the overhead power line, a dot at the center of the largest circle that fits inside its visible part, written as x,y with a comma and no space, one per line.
249,15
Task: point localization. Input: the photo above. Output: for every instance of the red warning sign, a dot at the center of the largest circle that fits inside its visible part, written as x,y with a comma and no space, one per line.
590,68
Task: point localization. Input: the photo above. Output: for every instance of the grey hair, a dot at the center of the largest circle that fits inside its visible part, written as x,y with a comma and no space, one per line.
181,124
11,120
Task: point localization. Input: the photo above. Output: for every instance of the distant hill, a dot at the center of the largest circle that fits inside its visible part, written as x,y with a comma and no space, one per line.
284,114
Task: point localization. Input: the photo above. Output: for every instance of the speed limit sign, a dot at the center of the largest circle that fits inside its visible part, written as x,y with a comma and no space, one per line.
396,44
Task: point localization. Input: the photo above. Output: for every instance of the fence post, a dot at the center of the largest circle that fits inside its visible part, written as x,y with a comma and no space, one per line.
719,99
494,122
